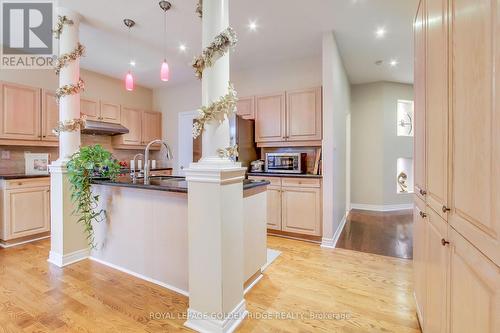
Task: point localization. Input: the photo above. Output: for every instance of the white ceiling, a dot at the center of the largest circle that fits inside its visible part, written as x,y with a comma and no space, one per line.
288,29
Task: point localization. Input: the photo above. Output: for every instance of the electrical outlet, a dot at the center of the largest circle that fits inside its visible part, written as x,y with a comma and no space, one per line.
5,155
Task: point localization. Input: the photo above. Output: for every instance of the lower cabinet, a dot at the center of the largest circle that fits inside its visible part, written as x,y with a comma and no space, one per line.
457,288
25,208
294,205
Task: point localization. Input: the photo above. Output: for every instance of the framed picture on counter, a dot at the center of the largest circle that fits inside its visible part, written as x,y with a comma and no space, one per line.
36,164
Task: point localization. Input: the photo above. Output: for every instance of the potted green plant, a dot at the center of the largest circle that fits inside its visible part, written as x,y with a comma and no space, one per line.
89,163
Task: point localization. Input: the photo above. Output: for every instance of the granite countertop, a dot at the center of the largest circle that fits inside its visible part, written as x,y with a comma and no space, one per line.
20,176
290,175
169,184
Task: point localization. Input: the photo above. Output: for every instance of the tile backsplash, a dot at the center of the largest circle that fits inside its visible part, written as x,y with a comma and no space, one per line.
12,157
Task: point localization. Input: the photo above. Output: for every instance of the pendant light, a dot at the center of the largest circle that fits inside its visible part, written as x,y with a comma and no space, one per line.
165,70
129,78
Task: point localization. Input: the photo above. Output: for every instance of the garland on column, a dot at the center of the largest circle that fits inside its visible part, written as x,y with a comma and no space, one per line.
225,106
70,89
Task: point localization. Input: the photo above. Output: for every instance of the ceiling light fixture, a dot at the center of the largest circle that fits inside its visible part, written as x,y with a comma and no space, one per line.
393,63
165,71
182,48
252,25
129,78
380,32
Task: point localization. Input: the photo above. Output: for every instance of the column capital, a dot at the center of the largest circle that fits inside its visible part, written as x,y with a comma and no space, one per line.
218,173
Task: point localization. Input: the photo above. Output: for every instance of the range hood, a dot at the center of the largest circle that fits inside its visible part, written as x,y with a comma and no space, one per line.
102,128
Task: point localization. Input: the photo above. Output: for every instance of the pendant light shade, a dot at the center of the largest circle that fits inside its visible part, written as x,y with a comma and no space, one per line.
165,70
129,81
129,78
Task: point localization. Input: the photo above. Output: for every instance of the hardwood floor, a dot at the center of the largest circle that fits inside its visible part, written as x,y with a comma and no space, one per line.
373,294
384,233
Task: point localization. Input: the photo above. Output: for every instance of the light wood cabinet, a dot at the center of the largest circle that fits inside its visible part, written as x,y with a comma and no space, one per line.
437,257
475,138
50,115
143,126
436,121
303,121
293,205
26,208
419,88
246,107
419,259
457,158
290,118
474,289
90,108
270,121
20,115
110,112
151,126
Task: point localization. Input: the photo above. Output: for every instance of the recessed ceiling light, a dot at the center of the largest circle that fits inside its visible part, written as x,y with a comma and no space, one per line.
380,32
379,62
182,47
132,63
252,26
393,63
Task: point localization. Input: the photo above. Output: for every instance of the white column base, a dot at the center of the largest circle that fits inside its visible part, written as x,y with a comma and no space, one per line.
69,258
211,324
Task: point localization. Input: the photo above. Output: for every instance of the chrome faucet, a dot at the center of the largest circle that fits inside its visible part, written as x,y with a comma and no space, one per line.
132,172
147,167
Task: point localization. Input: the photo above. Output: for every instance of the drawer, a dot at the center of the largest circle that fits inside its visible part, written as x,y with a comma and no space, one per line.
275,181
301,182
26,183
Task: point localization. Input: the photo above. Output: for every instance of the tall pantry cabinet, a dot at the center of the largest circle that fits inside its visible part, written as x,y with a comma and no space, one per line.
457,165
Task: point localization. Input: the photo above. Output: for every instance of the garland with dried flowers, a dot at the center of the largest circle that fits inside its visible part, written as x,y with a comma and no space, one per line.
224,107
221,44
61,21
229,152
199,8
64,59
70,89
69,126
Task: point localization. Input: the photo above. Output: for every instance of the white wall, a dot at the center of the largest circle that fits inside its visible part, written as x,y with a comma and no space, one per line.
336,107
274,77
376,146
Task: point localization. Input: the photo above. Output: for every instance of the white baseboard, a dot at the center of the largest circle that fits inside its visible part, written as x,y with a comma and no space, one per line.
140,276
6,246
68,259
204,323
382,208
331,243
251,285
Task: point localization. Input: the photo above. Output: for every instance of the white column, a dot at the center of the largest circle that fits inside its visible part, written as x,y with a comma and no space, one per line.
68,242
215,208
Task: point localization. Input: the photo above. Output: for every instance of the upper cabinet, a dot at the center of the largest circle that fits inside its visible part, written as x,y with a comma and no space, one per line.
110,112
143,126
89,108
50,115
20,115
303,121
270,113
291,118
246,107
475,120
419,88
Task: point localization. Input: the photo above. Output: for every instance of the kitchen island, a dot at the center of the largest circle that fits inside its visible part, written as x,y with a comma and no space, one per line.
145,232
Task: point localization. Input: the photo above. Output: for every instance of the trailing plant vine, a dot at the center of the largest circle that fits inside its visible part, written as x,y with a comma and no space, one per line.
88,163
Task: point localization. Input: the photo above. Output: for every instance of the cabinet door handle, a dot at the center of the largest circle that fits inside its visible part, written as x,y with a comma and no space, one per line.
444,242
445,209
423,215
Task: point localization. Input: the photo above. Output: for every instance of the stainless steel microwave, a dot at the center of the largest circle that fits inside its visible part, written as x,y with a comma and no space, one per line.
286,162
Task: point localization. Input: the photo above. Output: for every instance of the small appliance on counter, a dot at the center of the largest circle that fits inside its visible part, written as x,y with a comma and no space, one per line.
257,166
286,162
